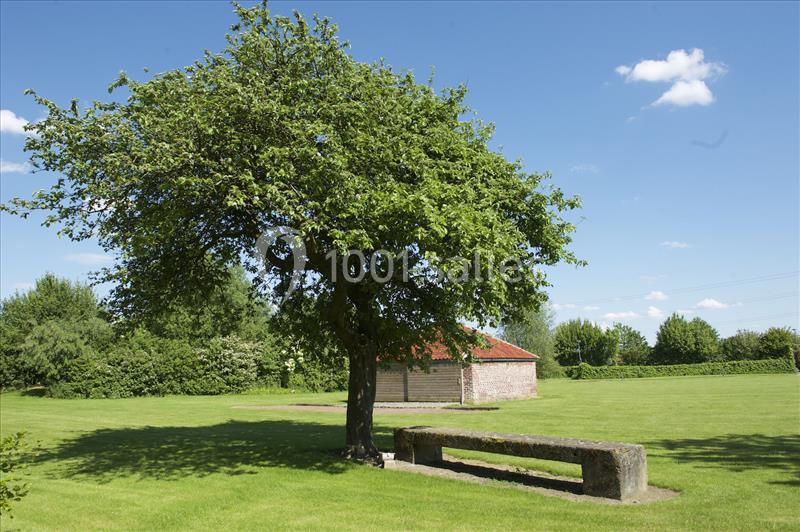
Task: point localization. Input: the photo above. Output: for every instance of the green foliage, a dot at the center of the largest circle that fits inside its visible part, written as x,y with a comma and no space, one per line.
578,341
57,335
777,342
282,128
231,309
685,342
744,345
149,365
534,333
43,329
12,452
770,365
633,348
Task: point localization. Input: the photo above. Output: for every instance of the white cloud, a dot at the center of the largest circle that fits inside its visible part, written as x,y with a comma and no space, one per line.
7,167
562,306
686,93
623,70
656,295
89,259
673,244
582,168
710,303
630,315
11,123
687,71
678,65
654,312
590,307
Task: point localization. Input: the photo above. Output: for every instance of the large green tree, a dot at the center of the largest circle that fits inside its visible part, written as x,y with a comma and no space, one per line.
44,328
285,129
578,341
633,348
534,333
679,341
743,345
778,342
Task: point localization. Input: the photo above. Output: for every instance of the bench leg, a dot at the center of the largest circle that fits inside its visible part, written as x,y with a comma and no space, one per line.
406,449
621,474
427,454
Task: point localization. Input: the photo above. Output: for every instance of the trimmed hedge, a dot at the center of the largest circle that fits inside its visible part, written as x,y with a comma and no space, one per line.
768,365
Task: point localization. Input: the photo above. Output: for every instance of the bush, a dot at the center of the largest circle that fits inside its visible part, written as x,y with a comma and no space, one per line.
12,451
148,365
771,365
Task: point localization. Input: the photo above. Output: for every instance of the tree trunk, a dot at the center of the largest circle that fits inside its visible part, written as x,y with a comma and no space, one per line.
360,399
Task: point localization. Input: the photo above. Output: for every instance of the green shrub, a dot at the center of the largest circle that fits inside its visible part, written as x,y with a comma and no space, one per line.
771,365
12,452
147,365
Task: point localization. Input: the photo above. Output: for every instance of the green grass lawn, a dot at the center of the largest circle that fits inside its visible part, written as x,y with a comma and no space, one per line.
729,444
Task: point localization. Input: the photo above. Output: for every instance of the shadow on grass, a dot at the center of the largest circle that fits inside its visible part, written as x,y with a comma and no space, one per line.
740,452
233,448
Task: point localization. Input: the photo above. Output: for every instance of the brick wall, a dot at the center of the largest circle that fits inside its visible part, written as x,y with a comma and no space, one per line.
496,381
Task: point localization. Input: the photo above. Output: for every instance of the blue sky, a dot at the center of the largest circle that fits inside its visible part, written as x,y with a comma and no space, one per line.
686,161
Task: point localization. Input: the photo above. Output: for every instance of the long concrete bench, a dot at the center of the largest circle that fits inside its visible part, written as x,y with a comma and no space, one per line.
612,470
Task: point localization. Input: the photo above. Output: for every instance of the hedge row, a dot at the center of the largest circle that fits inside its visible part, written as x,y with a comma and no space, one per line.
227,365
768,365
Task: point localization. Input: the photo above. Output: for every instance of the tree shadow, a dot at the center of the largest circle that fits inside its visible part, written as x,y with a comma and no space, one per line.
170,453
740,452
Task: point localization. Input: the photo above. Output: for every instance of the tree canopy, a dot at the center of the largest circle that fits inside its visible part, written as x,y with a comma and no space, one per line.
578,341
535,333
283,128
679,341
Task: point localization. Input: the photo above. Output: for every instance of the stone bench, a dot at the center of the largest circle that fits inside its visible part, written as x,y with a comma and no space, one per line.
612,470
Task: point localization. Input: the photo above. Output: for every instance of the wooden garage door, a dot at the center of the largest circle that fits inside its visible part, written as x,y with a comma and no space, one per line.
396,383
443,383
390,384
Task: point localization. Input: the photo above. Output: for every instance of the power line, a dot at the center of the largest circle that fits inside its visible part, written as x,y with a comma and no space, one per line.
760,318
697,288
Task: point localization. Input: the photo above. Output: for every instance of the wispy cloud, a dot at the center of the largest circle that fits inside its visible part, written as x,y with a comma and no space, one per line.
654,312
686,71
629,315
674,244
584,168
591,307
562,306
7,167
11,123
89,259
656,295
711,303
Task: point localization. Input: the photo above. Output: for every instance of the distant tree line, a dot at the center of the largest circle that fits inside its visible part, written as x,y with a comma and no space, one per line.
59,336
678,341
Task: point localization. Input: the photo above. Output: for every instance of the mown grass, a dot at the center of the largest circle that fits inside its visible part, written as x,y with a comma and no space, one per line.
729,444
